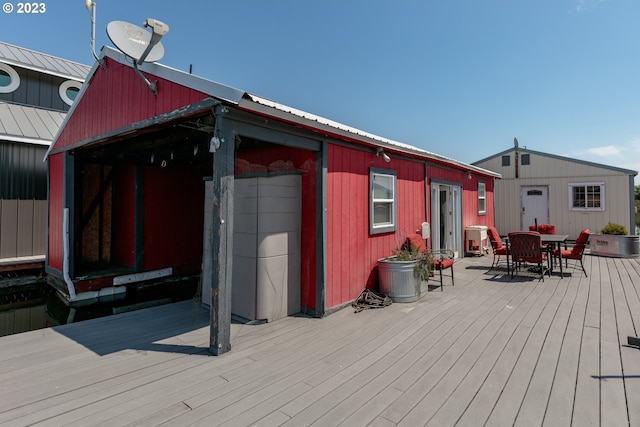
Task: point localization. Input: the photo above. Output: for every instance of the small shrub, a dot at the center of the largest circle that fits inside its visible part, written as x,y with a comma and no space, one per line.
616,229
424,260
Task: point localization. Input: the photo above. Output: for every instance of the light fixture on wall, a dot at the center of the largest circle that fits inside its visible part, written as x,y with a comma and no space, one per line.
379,151
469,175
214,144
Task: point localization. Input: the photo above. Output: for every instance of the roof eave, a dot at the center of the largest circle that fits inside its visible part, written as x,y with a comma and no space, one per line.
328,127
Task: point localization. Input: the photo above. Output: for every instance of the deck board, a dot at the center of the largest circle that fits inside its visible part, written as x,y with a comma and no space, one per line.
490,350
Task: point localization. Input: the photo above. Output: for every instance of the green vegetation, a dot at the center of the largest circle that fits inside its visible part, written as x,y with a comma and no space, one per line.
424,260
612,228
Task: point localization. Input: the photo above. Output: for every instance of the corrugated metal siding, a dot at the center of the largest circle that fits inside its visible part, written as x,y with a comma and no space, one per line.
352,253
37,89
23,174
49,64
129,101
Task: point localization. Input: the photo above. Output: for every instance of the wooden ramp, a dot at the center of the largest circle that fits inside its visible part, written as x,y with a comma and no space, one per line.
491,351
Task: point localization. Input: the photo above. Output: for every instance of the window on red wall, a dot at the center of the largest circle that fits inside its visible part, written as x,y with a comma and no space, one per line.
482,198
382,201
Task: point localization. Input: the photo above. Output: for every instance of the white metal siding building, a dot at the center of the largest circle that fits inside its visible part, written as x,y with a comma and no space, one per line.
568,193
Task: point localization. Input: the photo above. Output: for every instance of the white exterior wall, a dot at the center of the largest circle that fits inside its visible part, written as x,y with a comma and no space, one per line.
556,174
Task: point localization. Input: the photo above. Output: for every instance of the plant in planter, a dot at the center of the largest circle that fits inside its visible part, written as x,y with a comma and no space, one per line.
404,275
423,267
616,229
614,241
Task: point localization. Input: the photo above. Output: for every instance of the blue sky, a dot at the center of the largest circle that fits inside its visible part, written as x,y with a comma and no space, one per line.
461,78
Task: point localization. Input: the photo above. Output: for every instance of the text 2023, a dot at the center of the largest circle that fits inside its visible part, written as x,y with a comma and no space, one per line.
31,7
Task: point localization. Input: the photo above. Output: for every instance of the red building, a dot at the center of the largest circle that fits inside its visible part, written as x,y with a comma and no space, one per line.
144,186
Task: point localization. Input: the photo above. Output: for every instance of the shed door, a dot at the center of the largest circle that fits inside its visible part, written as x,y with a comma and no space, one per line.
535,206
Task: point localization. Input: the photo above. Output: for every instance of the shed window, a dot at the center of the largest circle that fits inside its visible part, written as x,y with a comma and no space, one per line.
506,160
482,198
525,159
586,196
382,204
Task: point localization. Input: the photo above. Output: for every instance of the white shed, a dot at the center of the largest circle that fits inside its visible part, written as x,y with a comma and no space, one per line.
568,193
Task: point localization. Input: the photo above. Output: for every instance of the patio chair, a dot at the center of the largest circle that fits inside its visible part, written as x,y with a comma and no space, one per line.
526,247
543,228
443,260
577,252
497,248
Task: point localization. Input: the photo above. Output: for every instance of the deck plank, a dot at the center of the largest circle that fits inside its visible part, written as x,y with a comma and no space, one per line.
490,350
560,407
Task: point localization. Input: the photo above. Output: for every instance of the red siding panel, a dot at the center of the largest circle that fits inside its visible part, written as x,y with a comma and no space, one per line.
470,214
123,226
352,253
117,97
173,219
56,206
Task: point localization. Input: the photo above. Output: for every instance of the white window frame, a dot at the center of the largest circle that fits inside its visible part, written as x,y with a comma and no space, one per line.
389,226
68,84
584,185
14,78
482,198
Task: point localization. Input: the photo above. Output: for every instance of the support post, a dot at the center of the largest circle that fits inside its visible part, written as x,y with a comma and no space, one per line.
222,235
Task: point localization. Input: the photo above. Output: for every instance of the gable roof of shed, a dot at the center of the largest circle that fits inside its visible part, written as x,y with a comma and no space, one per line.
262,106
557,157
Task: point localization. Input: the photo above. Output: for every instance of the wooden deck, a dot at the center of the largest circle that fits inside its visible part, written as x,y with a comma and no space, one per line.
490,351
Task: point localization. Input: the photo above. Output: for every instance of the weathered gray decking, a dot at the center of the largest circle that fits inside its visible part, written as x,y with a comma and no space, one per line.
489,351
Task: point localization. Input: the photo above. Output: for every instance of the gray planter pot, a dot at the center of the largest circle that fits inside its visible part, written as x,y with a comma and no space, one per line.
399,281
614,246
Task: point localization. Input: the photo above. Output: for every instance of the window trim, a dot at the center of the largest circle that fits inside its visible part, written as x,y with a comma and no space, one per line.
14,78
64,86
386,227
600,184
483,197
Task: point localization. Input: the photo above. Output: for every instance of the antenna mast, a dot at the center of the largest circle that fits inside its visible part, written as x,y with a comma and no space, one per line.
91,7
515,144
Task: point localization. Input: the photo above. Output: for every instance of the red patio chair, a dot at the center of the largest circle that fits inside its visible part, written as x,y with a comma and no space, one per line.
497,248
526,247
442,259
577,252
543,228
415,242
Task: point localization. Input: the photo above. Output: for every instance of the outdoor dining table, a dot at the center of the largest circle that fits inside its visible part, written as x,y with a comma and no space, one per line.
552,240
555,240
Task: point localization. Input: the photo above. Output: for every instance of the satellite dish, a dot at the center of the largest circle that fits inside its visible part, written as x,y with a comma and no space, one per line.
139,44
134,41
515,142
